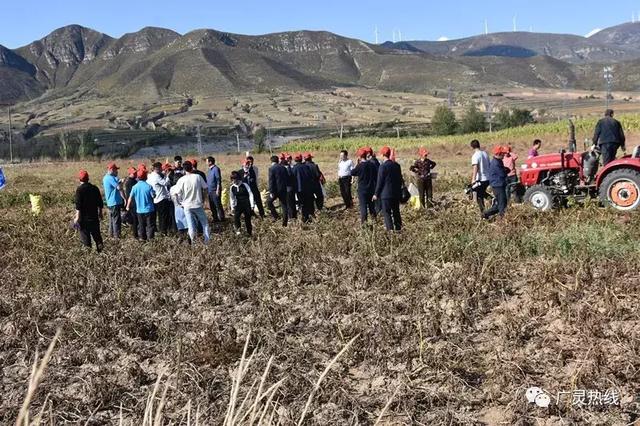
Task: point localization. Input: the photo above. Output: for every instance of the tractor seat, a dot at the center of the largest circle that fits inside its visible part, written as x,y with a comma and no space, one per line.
636,152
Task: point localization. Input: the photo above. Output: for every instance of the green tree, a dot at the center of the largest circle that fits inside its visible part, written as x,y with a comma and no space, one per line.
444,121
259,137
87,145
473,120
513,118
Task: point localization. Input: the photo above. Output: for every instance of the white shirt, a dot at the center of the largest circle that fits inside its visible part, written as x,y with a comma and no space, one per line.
344,168
481,159
233,202
189,188
161,187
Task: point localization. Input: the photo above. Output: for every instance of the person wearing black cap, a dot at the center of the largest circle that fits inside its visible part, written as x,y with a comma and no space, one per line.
278,181
389,190
305,187
89,207
608,137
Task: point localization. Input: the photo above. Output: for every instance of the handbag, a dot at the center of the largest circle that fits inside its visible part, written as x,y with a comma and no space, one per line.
406,195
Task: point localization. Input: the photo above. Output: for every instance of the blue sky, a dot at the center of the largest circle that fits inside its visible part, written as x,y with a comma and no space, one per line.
25,21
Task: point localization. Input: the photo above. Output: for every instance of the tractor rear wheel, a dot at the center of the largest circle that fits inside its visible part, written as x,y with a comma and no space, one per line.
620,189
540,197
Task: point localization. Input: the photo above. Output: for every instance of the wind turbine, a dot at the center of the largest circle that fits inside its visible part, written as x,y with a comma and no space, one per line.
394,36
515,23
486,27
376,33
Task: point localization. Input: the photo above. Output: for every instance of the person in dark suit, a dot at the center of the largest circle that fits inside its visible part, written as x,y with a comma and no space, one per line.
609,136
305,188
318,180
251,178
278,181
367,174
389,190
286,160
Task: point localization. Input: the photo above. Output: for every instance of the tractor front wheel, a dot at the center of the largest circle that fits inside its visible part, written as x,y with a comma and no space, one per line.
620,189
540,197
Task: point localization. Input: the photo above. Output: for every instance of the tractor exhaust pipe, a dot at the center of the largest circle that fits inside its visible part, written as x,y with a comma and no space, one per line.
572,136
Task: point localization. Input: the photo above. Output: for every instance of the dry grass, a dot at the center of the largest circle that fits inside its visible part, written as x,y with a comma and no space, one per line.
455,318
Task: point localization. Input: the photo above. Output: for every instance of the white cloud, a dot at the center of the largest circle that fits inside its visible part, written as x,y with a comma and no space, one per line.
443,38
593,32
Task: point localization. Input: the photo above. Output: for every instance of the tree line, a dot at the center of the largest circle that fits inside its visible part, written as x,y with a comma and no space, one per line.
445,122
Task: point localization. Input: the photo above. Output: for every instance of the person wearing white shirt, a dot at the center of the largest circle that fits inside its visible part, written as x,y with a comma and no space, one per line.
162,200
345,166
191,191
479,176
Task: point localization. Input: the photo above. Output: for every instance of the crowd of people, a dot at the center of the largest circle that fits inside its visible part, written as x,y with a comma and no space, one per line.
171,197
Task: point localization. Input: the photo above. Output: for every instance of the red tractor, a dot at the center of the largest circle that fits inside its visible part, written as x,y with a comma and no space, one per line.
551,179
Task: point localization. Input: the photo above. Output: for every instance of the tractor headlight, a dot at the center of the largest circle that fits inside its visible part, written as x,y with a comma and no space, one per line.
524,167
534,165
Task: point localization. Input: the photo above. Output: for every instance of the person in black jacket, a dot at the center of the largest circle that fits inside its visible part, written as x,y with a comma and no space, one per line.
498,180
241,202
389,190
609,136
318,180
278,181
89,207
286,160
132,219
367,174
422,169
251,178
305,187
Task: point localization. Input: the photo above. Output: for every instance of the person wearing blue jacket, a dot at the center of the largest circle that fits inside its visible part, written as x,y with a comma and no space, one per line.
367,173
498,181
389,190
214,182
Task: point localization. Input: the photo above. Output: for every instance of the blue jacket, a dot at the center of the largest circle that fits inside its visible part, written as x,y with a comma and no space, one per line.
304,178
214,180
389,185
278,179
367,174
497,173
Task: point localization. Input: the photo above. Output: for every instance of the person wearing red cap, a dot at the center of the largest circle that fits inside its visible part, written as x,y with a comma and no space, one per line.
422,169
278,180
345,167
132,217
162,200
389,190
305,186
89,207
509,162
498,180
318,180
115,199
367,173
286,160
142,193
250,173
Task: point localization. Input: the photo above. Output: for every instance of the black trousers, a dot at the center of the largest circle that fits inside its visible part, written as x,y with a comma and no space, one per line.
115,221
291,204
345,191
308,207
146,226
391,213
511,187
132,219
282,198
164,210
215,204
481,195
367,206
609,151
257,198
425,191
500,206
89,230
319,197
243,209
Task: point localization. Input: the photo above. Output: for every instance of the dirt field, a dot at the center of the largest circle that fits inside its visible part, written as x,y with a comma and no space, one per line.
449,322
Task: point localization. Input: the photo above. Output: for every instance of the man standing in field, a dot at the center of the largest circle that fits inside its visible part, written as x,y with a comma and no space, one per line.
422,169
162,201
214,183
241,201
305,186
115,199
285,160
318,180
389,190
278,181
88,211
143,195
345,167
177,172
367,175
498,180
191,189
479,176
608,137
129,183
251,178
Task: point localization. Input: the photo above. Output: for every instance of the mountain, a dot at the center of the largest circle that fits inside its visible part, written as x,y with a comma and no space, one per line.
570,48
625,35
156,62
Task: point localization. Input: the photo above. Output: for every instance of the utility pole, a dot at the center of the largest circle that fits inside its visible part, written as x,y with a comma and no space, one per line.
200,149
238,141
608,79
10,137
450,96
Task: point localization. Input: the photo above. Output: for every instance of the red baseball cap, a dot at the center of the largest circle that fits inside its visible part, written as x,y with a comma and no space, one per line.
112,166
499,149
142,174
308,156
131,170
83,176
194,163
298,157
166,167
423,151
385,151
